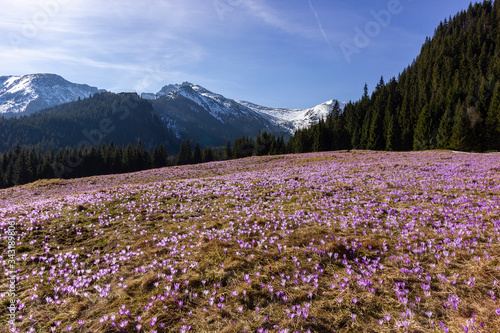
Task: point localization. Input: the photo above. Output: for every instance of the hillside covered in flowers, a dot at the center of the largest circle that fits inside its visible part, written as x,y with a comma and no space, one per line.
340,241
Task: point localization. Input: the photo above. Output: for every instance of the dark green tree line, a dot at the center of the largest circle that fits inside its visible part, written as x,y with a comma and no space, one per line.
449,97
24,165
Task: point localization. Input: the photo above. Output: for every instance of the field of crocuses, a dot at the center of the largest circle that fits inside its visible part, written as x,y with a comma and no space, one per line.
328,242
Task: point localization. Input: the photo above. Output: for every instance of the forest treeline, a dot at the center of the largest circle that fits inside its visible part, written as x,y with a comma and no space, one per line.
101,118
448,98
22,165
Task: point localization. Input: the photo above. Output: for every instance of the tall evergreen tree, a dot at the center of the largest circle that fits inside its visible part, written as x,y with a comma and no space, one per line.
22,171
320,137
2,183
228,152
365,129
117,160
279,147
197,154
129,158
45,169
208,155
376,131
492,122
423,139
156,158
445,130
461,131
164,154
185,154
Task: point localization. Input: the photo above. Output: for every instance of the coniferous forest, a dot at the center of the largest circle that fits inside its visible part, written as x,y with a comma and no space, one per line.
22,165
102,118
448,98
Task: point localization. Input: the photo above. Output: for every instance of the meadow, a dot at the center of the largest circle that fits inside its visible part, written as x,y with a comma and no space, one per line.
350,241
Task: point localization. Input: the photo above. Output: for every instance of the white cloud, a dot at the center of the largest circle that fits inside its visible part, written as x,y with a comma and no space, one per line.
116,34
143,43
320,25
275,18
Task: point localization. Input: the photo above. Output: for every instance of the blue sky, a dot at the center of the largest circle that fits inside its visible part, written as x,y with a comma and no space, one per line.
294,53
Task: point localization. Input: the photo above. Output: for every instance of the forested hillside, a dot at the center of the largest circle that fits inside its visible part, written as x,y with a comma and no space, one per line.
448,98
102,118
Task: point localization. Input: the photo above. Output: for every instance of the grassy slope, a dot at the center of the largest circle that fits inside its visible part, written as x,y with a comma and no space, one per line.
326,242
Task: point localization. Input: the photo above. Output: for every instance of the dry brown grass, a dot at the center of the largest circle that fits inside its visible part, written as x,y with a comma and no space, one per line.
226,268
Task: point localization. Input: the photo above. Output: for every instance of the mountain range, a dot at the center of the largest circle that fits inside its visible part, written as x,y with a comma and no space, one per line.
186,110
28,94
225,110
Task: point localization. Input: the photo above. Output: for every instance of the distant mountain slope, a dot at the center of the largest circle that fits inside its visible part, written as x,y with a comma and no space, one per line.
248,117
294,119
24,95
185,111
209,121
105,117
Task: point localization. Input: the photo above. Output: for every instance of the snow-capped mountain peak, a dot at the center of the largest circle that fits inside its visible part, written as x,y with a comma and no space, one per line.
294,119
27,94
24,95
218,106
224,109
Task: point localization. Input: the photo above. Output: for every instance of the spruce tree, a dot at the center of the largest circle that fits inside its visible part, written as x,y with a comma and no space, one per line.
163,155
2,183
117,160
365,130
140,157
236,153
94,162
298,142
22,171
181,156
263,143
320,137
185,155
392,130
406,124
7,175
391,133
445,130
128,159
376,132
197,154
422,139
228,153
492,122
157,161
280,146
248,147
208,155
461,131
46,169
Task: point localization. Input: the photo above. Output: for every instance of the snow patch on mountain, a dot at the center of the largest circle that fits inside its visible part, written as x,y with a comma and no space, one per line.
22,95
220,107
294,119
224,109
